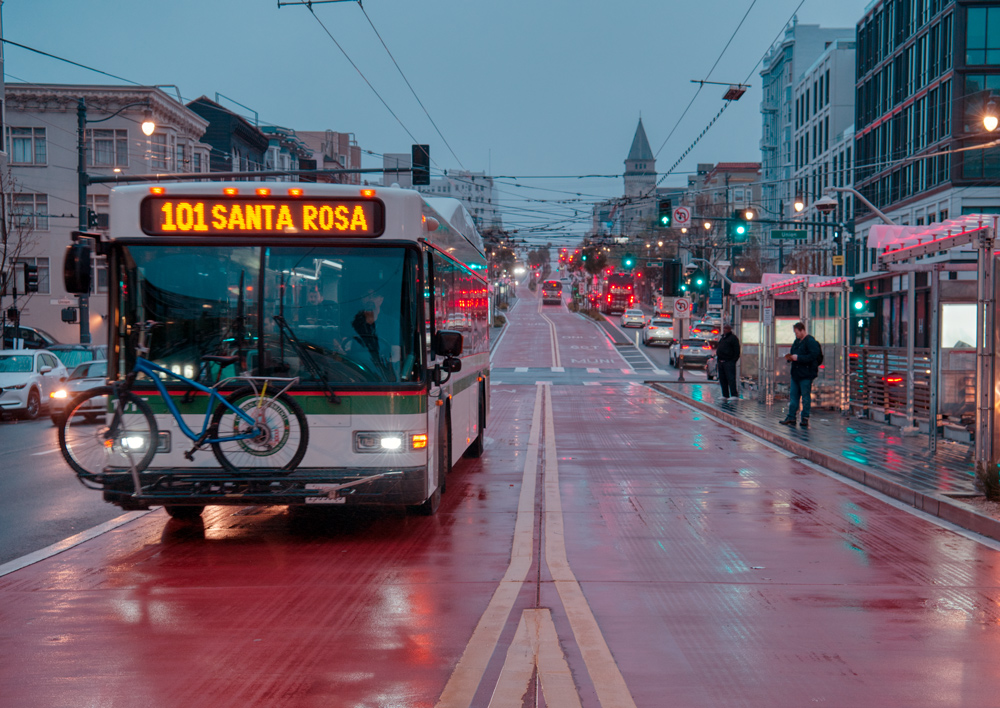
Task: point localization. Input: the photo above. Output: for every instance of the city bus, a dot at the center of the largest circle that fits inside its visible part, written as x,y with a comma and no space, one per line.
617,293
551,292
350,290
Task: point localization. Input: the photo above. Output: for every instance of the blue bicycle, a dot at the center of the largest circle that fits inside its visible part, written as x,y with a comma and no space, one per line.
252,428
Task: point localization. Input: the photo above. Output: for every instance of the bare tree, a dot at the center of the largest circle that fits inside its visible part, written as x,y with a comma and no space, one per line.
17,242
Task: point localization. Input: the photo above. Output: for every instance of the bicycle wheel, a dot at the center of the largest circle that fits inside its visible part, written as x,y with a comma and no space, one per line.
283,438
123,438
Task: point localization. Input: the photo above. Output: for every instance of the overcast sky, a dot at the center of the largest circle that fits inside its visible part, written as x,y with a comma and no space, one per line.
521,89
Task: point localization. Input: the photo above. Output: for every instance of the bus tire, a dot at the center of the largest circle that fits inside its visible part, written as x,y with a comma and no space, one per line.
430,506
184,513
478,445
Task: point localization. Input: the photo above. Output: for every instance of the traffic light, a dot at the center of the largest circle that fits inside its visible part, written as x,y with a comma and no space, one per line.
672,280
421,162
699,281
30,278
666,213
628,261
739,225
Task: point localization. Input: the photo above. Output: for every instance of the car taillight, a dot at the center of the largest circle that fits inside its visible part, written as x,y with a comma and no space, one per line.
684,346
705,346
651,328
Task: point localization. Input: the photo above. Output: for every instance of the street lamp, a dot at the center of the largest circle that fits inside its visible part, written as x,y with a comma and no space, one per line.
83,181
800,202
990,120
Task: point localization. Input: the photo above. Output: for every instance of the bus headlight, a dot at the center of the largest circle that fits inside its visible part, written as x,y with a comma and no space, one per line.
368,441
61,393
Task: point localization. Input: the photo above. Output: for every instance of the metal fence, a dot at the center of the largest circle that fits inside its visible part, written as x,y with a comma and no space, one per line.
878,379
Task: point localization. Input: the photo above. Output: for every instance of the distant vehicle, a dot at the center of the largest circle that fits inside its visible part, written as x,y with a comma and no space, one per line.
552,292
617,293
703,330
33,337
27,377
658,330
72,355
695,352
83,378
633,318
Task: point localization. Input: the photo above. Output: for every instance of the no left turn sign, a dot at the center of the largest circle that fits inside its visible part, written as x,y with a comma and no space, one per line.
682,308
682,216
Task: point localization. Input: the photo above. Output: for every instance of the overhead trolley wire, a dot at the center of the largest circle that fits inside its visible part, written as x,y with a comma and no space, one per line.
398,68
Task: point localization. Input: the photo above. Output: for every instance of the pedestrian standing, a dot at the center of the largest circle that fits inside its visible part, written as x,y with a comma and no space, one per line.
727,353
805,358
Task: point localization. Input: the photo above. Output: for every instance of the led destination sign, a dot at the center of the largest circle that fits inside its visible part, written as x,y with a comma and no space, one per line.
215,216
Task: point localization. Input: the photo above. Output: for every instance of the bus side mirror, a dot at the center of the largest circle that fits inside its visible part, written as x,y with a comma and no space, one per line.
448,343
77,268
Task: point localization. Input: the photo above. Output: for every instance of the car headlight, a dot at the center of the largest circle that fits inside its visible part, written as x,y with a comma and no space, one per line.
61,393
15,387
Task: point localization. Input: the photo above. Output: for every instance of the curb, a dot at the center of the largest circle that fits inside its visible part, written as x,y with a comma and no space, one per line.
935,504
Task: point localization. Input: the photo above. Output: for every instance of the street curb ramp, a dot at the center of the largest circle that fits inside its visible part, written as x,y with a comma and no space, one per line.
935,504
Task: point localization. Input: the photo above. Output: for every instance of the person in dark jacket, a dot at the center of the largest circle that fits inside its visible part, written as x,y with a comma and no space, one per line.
727,353
804,358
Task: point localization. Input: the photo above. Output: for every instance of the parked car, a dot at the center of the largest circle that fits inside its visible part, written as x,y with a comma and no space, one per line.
658,330
27,377
33,337
72,355
633,318
84,377
695,352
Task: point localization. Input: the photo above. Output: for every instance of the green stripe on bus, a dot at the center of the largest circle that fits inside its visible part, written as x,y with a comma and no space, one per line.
358,404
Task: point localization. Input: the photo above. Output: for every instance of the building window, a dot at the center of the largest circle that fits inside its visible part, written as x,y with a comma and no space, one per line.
98,203
978,90
30,211
43,272
26,146
106,147
158,153
196,162
179,162
983,36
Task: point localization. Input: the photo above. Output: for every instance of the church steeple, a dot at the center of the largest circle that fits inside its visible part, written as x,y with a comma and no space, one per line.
640,165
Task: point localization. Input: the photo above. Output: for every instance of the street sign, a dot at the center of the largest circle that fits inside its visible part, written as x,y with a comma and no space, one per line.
682,308
768,316
795,233
838,260
682,216
654,264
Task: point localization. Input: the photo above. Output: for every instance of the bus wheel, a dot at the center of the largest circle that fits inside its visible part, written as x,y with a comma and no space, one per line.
430,507
479,444
184,513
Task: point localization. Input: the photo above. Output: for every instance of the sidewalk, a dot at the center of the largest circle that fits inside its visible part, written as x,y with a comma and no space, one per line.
871,453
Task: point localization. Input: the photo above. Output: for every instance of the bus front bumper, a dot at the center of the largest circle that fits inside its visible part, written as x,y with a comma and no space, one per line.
376,486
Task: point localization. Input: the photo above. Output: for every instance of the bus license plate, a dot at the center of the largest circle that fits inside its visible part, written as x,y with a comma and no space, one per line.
324,499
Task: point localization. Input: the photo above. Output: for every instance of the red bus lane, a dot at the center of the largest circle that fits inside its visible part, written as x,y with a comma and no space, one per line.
611,548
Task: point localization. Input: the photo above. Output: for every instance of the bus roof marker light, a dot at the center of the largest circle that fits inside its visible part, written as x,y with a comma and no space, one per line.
431,224
368,193
295,191
157,190
263,192
230,191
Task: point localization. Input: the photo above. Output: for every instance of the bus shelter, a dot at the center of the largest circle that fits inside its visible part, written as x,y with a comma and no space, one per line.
765,315
941,250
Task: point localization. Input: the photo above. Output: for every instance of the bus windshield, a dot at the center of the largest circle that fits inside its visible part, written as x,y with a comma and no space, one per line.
333,313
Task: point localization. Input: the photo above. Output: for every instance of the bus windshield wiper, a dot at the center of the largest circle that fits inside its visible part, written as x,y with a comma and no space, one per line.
310,363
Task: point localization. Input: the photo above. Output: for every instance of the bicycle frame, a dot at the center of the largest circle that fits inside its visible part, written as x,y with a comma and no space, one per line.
145,366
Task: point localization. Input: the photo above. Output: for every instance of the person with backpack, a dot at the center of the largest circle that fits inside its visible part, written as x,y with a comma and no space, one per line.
806,357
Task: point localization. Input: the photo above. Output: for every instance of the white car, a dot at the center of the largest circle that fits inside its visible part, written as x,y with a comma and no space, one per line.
633,318
83,378
658,330
27,377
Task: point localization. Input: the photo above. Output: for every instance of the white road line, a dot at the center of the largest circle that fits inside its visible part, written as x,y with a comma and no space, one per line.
464,681
558,370
535,644
607,678
66,543
520,369
593,371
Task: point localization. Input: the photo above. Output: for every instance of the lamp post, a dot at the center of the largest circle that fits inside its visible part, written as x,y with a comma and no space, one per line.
83,180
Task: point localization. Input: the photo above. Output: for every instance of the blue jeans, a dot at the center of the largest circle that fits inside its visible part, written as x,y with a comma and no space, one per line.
800,389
